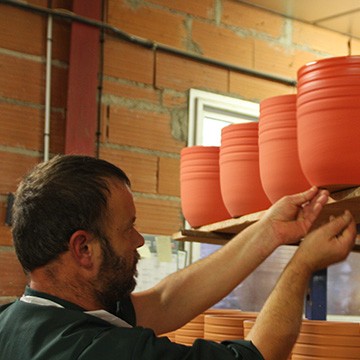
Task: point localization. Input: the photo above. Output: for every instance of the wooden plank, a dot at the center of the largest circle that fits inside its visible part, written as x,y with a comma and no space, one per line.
202,237
346,194
235,225
221,232
350,201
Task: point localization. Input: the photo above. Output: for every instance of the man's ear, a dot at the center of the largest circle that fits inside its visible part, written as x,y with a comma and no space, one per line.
81,245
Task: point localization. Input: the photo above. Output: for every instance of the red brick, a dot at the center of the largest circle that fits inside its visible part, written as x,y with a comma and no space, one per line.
203,8
5,232
249,18
149,23
12,279
22,31
128,61
158,216
222,44
169,176
179,73
24,127
140,168
131,91
26,32
171,99
13,168
23,79
145,129
256,89
5,235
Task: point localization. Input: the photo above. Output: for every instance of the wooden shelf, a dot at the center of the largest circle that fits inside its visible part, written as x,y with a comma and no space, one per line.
223,231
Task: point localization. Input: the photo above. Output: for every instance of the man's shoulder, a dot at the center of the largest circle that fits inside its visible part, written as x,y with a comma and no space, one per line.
3,307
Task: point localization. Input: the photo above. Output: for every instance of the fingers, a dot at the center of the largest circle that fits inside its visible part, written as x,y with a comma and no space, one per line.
304,197
337,225
330,243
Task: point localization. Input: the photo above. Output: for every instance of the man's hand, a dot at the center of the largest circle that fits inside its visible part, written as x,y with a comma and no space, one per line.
329,244
291,217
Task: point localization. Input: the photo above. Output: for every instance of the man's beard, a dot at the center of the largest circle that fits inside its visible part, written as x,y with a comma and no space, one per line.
116,277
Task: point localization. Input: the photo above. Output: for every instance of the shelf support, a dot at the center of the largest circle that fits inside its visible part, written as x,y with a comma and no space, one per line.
316,299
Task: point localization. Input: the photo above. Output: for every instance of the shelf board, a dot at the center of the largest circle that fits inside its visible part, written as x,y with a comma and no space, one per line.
221,232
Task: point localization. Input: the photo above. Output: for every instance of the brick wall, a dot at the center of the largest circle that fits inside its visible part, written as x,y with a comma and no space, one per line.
144,104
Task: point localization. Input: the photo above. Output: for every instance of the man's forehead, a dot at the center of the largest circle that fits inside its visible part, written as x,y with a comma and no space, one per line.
120,195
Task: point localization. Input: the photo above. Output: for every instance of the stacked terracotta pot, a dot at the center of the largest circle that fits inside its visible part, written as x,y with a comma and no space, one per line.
221,327
191,331
201,199
280,169
322,340
240,182
328,340
301,140
328,114
195,329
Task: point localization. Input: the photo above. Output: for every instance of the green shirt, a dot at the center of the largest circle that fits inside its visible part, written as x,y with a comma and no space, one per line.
34,332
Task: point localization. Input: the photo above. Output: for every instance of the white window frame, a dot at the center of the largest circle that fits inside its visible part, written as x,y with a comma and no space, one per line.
204,104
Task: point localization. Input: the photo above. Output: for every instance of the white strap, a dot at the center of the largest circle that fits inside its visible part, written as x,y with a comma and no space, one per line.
101,314
110,318
39,301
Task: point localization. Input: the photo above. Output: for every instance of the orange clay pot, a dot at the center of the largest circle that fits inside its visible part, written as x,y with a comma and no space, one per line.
328,112
279,163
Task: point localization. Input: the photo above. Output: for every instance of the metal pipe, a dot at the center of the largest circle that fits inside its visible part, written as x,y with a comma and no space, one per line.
48,88
100,82
69,16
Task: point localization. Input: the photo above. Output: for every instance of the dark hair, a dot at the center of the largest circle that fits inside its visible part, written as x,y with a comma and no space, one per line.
57,198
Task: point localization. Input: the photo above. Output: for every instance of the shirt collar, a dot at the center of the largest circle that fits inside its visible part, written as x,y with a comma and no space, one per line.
40,298
66,304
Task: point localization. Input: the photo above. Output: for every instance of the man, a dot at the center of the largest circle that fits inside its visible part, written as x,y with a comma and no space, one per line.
74,234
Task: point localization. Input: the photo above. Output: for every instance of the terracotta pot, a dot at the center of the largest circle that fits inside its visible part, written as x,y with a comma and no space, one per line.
278,148
330,67
314,92
327,119
199,161
240,183
248,324
241,187
341,352
243,128
170,335
240,141
329,340
184,340
199,150
330,327
201,199
225,327
199,175
186,169
247,149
